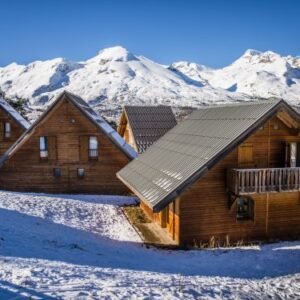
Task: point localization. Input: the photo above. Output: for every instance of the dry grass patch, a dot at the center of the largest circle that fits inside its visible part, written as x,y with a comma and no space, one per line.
142,223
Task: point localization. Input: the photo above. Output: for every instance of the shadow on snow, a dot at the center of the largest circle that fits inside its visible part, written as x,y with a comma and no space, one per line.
24,236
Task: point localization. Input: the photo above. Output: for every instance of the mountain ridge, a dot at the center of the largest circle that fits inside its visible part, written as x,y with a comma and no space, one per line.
115,77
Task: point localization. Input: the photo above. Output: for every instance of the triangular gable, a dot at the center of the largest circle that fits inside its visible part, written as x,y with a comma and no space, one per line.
184,154
13,114
97,120
147,123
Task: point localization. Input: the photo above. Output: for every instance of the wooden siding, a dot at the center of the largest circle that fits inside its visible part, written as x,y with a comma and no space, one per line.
67,130
167,218
204,211
204,207
125,131
16,131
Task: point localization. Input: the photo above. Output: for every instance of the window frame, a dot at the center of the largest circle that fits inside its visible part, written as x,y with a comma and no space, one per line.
7,133
80,176
293,154
55,174
243,214
44,151
93,152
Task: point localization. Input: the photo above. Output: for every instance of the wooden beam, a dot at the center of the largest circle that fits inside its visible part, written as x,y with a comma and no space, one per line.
287,119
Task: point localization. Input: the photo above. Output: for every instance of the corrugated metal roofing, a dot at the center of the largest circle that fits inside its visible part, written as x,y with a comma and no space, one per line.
190,148
14,114
149,123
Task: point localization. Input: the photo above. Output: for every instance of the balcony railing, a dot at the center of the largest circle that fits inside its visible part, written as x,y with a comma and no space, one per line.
251,181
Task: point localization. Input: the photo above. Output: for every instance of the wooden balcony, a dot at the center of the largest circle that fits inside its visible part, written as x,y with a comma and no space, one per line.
253,181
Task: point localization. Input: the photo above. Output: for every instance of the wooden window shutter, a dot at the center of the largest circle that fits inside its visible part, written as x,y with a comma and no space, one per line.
245,155
84,148
52,148
1,131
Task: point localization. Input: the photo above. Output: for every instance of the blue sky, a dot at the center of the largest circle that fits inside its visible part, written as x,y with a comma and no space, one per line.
208,32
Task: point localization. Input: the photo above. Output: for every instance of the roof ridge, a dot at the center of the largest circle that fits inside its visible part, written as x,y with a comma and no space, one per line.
162,156
244,103
100,122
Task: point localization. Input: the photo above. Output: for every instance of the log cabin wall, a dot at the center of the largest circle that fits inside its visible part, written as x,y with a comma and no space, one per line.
16,131
204,210
128,137
67,130
168,218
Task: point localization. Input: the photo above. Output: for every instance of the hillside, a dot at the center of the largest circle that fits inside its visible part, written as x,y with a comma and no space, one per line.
82,247
257,74
115,77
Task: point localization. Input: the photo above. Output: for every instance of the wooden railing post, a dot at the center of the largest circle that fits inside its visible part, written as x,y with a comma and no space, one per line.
245,181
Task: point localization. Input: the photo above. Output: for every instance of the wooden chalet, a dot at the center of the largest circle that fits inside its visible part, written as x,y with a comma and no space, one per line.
12,125
225,173
69,149
141,126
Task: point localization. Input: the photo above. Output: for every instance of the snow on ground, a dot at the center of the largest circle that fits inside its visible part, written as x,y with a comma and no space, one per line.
82,247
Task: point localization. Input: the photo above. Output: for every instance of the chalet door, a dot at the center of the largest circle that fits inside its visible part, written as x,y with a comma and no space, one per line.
245,156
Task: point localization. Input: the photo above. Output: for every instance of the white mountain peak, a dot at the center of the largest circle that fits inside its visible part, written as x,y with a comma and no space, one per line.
117,53
115,77
251,52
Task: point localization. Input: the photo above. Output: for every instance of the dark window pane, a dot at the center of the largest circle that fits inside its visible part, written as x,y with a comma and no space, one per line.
57,172
244,209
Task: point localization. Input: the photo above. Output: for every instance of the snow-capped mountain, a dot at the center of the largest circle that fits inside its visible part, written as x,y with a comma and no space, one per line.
258,74
115,77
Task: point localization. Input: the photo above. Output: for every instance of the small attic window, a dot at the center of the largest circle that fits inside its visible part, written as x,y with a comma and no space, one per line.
7,130
80,172
261,128
275,126
93,147
43,147
57,172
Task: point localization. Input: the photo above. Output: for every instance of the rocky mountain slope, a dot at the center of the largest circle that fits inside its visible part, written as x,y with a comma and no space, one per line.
116,77
257,74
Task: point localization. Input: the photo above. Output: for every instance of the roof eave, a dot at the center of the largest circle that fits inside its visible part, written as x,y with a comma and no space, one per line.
200,173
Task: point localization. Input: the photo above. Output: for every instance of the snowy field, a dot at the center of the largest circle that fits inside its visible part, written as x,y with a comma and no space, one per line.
82,247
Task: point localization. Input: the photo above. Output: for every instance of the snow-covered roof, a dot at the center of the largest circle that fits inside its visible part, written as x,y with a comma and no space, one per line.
91,115
14,114
103,125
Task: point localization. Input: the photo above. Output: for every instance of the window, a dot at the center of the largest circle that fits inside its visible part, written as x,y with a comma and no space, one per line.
56,172
93,147
43,147
80,172
244,208
7,130
293,155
